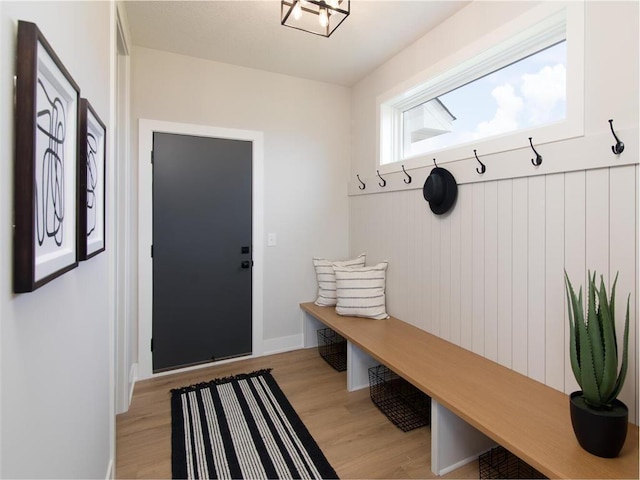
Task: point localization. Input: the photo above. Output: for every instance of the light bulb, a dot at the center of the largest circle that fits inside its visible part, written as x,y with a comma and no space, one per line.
323,18
297,11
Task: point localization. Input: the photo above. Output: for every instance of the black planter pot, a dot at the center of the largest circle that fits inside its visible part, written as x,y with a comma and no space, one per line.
600,432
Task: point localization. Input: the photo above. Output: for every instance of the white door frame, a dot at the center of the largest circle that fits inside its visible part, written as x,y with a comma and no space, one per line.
122,245
146,128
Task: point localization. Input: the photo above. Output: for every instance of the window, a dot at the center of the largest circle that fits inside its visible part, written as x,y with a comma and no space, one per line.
526,94
492,101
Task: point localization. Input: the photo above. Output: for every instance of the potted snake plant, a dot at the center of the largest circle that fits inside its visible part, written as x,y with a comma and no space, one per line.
598,418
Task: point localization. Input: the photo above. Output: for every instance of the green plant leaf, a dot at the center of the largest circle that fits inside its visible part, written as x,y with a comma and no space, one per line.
580,316
594,329
574,335
588,382
623,368
612,308
589,385
610,359
587,379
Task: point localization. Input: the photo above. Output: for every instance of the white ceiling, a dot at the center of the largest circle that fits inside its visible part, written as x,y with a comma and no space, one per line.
248,33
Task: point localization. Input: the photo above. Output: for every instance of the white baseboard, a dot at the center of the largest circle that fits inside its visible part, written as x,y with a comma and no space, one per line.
282,344
110,472
133,377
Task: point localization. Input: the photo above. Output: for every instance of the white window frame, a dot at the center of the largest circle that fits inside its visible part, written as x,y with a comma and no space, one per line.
533,31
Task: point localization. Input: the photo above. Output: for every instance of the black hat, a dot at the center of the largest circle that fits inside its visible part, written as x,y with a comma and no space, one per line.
440,190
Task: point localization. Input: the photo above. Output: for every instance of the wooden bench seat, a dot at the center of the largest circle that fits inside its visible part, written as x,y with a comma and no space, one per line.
525,416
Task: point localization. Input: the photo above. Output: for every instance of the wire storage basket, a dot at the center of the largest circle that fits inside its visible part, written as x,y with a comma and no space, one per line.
333,348
501,463
402,403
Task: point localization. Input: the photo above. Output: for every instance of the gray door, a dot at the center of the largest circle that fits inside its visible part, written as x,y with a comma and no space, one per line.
201,249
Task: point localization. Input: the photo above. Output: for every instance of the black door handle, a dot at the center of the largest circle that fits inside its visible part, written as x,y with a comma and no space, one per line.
247,264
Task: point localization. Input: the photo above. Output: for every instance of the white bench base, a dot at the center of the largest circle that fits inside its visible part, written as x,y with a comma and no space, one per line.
454,442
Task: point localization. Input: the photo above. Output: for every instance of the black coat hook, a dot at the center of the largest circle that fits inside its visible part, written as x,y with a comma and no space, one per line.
434,162
482,168
384,182
618,148
363,186
408,179
538,160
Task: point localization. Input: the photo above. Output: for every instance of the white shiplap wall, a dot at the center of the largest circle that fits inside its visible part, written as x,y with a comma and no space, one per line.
489,276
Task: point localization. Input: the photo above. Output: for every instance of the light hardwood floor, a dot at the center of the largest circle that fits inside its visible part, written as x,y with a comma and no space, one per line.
356,438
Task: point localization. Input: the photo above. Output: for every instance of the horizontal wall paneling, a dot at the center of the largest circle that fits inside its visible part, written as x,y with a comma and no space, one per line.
590,152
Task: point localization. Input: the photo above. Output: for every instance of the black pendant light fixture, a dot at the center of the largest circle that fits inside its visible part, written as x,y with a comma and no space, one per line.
320,17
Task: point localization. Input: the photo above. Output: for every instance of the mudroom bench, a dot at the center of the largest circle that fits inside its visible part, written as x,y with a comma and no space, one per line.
476,402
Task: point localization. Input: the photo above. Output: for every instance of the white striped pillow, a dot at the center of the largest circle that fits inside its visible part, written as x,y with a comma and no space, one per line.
360,291
327,279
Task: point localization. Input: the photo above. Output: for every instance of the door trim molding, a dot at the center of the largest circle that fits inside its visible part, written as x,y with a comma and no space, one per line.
122,237
146,128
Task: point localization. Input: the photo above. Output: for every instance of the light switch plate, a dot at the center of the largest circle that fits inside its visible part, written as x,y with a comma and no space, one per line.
272,240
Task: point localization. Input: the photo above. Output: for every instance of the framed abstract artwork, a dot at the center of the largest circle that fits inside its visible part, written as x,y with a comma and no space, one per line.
91,192
46,163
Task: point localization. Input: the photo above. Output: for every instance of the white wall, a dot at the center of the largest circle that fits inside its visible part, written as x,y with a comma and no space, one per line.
489,276
306,129
56,342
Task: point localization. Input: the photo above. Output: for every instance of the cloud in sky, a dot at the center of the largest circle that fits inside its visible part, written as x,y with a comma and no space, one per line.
541,94
509,105
543,91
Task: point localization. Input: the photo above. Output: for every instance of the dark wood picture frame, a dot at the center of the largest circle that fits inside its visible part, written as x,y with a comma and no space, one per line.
46,164
92,149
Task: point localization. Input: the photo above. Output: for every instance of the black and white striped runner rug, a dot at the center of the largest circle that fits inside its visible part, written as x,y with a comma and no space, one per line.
241,427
